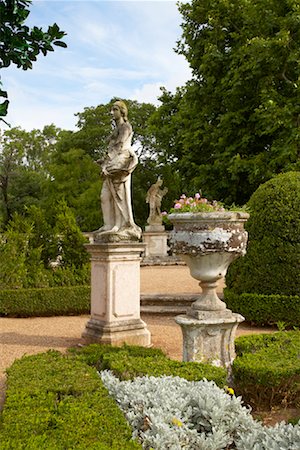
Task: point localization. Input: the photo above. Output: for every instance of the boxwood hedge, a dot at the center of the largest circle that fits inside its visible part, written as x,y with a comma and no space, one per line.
45,302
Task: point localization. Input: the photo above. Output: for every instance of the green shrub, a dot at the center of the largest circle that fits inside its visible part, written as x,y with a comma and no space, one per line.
45,302
54,402
130,362
272,263
59,402
265,309
266,370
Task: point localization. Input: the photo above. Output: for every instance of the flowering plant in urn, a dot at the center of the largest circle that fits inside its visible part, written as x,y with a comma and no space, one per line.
208,238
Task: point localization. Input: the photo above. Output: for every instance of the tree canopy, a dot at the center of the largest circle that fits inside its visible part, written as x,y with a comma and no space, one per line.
19,44
236,123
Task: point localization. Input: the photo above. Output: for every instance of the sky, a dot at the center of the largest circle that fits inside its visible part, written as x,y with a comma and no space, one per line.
116,48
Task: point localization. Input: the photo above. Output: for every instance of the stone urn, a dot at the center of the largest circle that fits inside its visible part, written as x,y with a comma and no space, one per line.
208,242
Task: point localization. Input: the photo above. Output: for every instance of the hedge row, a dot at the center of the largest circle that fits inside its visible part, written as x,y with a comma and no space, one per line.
45,302
266,370
56,403
128,362
263,309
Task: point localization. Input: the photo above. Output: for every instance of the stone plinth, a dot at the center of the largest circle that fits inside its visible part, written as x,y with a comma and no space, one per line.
210,338
115,295
155,238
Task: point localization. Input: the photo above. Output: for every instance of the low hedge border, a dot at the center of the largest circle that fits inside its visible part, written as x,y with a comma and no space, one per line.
128,362
55,402
266,371
47,302
263,309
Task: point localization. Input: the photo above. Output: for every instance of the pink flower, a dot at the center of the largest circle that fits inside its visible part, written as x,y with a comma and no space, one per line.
197,196
177,205
164,213
183,196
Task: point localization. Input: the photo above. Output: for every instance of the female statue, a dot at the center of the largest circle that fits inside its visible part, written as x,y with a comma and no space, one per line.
116,167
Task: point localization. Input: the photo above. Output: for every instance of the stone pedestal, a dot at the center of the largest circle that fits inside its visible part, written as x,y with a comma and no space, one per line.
115,295
155,238
210,337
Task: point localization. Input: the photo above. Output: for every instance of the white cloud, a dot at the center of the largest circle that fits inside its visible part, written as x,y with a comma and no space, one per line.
115,48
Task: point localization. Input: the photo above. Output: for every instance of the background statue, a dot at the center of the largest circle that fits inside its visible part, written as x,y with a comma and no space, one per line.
116,168
154,198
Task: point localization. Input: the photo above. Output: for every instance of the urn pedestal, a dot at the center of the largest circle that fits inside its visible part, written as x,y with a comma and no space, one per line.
115,295
208,243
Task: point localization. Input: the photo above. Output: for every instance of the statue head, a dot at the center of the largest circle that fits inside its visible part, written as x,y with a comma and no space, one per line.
123,108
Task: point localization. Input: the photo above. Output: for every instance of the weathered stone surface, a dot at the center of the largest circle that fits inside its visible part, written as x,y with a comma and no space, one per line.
115,294
208,243
117,165
156,243
200,233
210,339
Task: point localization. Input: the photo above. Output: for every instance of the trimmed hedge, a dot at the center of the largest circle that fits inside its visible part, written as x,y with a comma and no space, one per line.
54,402
266,370
265,309
128,362
58,301
272,262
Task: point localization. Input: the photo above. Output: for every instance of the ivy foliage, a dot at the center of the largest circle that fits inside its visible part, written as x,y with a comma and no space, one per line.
19,44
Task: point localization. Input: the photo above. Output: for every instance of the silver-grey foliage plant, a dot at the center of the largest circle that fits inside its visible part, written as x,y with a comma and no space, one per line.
173,413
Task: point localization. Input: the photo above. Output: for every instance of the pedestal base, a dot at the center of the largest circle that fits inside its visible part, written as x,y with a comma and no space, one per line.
155,239
131,333
115,295
211,338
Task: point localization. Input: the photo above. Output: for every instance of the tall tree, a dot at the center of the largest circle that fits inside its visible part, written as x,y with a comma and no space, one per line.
240,114
24,168
19,44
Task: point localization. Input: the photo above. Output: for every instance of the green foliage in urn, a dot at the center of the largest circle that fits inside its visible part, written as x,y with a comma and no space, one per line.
272,263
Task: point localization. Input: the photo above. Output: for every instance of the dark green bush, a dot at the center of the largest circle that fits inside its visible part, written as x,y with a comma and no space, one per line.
272,263
45,302
266,370
265,309
130,362
54,402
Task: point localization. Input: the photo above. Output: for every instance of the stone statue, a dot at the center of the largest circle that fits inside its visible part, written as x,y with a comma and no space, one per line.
154,198
116,167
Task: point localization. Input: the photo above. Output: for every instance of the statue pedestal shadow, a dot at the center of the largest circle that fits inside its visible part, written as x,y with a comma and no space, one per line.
115,295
